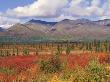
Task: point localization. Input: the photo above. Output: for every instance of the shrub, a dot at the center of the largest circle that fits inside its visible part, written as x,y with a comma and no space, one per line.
7,71
51,66
107,59
68,50
59,50
80,74
26,51
96,71
104,58
77,75
66,75
43,78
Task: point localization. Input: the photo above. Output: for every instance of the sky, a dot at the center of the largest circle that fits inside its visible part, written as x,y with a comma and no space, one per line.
20,11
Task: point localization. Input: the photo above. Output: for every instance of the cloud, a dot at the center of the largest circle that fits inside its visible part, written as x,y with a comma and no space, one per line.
6,22
56,8
106,10
76,8
60,9
39,8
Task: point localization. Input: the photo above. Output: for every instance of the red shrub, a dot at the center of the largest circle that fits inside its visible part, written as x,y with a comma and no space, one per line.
80,60
18,62
104,58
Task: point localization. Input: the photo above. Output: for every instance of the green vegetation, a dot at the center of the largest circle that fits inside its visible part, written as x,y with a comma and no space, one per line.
26,51
13,49
68,50
94,71
51,66
97,71
7,71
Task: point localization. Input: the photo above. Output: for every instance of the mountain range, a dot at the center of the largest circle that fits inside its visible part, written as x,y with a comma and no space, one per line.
80,29
1,29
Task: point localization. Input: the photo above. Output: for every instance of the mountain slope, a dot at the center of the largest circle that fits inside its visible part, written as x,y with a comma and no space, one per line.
80,29
65,29
23,30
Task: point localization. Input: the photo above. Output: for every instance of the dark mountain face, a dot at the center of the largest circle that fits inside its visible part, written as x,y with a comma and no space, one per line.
105,22
1,29
42,22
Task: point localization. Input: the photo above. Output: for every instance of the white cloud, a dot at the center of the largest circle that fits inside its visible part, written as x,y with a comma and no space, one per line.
56,8
40,8
106,10
76,8
60,9
53,8
6,22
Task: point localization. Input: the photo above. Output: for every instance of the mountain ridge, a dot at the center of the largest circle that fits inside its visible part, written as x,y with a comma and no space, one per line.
41,22
1,29
66,29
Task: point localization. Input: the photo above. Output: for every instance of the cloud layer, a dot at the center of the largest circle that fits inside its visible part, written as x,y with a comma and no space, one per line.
6,21
53,8
61,9
40,8
77,7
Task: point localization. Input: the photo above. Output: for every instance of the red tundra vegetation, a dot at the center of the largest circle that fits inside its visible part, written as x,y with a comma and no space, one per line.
68,64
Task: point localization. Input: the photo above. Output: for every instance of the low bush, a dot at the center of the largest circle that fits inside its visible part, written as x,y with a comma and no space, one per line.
97,71
94,71
7,71
68,50
51,66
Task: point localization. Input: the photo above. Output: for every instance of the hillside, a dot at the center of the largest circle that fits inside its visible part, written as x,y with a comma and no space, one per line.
80,29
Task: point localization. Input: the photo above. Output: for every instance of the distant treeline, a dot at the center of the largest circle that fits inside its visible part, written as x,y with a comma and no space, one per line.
41,39
25,48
